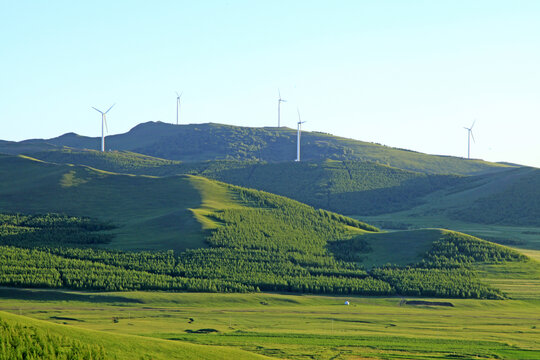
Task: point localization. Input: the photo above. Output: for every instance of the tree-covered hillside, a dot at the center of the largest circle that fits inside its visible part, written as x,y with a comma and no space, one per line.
238,239
291,248
201,142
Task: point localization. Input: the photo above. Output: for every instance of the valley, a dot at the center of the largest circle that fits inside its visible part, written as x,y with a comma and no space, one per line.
235,251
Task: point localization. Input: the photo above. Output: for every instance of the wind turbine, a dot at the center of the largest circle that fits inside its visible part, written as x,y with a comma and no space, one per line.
280,100
178,105
469,134
103,124
300,122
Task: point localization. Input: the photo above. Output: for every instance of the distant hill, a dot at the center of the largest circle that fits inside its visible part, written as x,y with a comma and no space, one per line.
509,197
512,199
23,147
203,142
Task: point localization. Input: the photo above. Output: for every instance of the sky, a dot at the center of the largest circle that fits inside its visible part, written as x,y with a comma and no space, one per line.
408,74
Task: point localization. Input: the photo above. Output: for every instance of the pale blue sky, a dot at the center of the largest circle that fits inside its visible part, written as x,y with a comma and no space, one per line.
408,74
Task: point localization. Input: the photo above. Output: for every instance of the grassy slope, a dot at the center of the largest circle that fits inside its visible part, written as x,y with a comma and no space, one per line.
124,346
363,188
200,142
349,187
152,213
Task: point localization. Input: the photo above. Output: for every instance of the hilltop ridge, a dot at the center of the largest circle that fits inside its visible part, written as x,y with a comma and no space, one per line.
211,141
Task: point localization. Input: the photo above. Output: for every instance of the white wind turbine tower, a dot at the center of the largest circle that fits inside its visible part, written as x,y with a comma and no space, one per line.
300,122
103,125
469,135
280,100
178,105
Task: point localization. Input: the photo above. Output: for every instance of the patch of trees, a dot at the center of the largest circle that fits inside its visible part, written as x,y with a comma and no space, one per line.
52,229
454,283
457,250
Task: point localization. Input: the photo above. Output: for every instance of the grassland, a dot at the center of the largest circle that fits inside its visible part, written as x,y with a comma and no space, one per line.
109,345
284,326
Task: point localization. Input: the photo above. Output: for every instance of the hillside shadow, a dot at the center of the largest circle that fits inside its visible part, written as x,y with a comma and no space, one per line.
60,295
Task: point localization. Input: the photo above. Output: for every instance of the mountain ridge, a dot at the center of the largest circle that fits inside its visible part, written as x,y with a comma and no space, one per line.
212,141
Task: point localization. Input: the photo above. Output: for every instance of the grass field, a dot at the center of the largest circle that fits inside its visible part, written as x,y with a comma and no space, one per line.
128,347
285,326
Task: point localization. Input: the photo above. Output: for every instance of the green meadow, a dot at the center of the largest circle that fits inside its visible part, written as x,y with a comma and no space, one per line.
160,325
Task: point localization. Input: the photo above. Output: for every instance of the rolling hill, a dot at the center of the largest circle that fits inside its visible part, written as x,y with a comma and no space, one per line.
509,197
203,142
224,237
348,187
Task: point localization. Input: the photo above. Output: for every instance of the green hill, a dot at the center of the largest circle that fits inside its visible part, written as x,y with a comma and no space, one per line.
509,197
348,187
150,213
202,142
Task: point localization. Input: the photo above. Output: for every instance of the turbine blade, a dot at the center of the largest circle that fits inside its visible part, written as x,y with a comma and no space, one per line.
99,111
110,108
473,124
298,110
473,137
105,122
177,94
279,92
